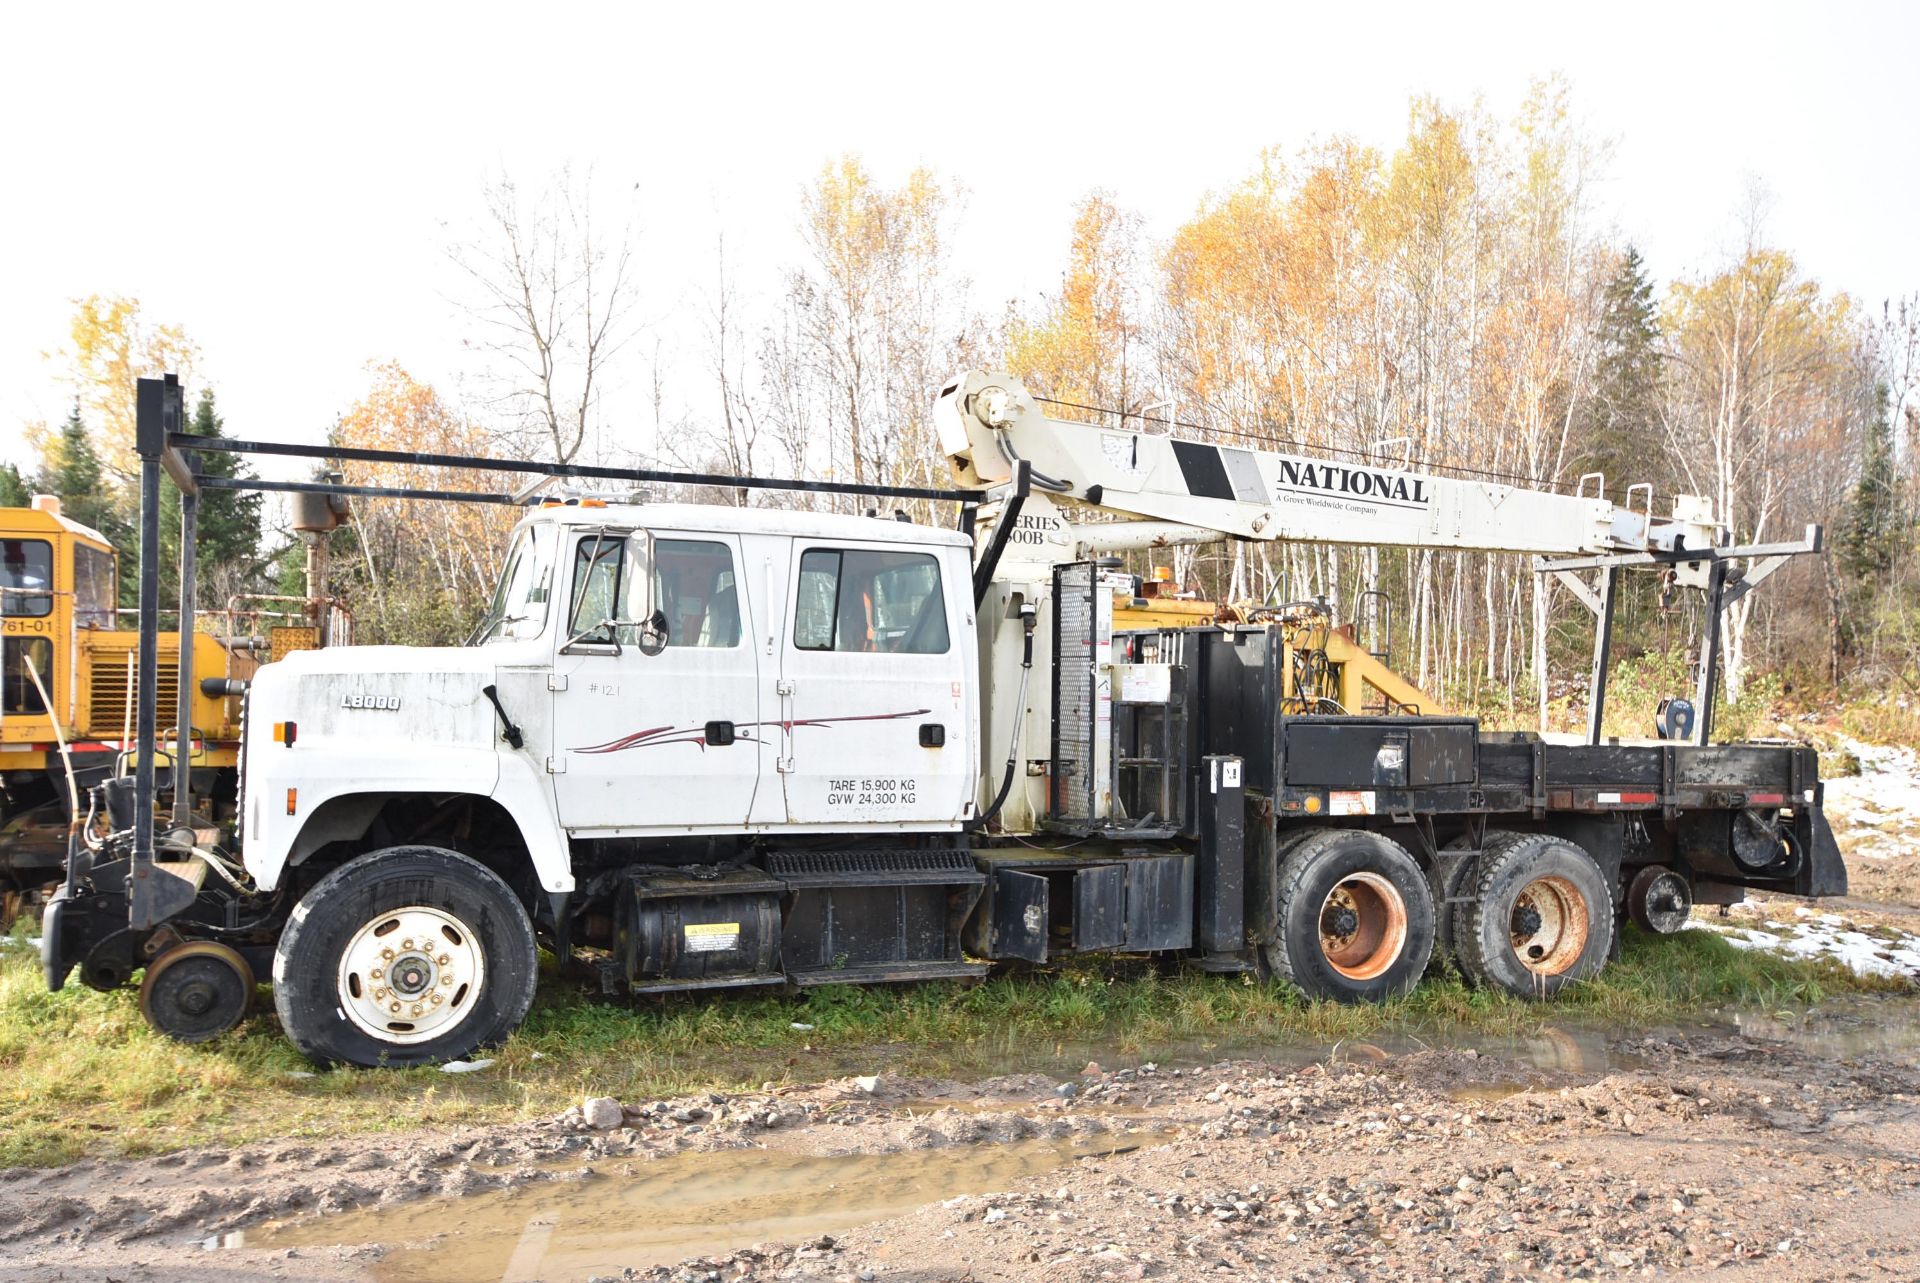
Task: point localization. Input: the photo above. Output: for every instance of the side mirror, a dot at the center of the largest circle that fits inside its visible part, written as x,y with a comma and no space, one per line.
653,633
637,590
638,603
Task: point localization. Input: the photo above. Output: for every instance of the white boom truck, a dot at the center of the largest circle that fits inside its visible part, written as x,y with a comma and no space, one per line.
698,747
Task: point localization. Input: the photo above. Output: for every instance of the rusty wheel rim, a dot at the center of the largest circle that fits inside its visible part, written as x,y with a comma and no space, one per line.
1549,926
1363,926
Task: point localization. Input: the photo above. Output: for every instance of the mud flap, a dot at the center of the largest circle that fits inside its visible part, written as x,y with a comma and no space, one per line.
52,962
1824,872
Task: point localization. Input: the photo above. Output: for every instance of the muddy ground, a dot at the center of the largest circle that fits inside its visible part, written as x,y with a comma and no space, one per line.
1753,1156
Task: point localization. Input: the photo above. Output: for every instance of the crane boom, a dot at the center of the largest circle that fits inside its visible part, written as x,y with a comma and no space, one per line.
1189,491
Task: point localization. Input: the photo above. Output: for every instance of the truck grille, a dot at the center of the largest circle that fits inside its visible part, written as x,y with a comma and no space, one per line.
108,712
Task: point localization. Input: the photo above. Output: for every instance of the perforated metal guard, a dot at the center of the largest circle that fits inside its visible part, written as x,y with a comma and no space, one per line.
1074,724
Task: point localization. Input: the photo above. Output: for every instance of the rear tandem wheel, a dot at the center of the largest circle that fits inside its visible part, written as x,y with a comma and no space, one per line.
1354,917
1541,916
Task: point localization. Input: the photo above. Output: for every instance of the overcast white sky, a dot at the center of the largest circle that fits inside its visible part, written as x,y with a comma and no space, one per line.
278,179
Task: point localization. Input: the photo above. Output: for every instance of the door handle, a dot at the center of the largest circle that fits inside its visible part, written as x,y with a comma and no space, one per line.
719,734
784,762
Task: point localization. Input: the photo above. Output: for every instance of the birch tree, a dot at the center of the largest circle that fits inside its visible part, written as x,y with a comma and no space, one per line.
553,296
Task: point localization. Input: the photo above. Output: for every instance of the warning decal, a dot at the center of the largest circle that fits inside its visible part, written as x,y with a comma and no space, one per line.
712,937
1357,802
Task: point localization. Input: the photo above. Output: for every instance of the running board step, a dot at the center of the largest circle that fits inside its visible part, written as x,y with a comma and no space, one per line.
864,915
883,973
874,868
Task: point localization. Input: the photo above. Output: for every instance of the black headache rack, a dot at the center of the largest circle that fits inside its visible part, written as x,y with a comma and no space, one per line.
152,894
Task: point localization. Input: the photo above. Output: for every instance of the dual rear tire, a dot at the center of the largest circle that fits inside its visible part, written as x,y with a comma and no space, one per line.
1355,918
1538,916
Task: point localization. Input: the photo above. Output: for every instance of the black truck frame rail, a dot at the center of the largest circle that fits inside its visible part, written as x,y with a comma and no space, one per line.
164,449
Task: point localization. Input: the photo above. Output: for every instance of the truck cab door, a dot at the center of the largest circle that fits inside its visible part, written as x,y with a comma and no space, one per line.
663,742
874,718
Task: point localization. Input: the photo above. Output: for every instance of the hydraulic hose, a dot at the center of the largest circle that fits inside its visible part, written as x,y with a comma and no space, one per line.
1028,619
1040,478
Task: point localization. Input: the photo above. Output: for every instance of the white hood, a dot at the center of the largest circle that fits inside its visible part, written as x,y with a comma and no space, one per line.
431,694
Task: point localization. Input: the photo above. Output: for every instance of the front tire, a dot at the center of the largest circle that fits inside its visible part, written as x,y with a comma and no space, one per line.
406,956
1354,918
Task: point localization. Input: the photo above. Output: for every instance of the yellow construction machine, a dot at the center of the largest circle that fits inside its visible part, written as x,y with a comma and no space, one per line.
1327,669
67,687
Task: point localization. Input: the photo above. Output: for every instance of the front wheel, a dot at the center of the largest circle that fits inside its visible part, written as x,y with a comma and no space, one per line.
407,956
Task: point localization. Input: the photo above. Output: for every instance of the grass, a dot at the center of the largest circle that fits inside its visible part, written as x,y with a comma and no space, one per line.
81,1074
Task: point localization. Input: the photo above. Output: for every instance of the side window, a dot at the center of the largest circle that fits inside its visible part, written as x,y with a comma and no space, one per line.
18,693
94,591
26,577
874,602
695,587
599,565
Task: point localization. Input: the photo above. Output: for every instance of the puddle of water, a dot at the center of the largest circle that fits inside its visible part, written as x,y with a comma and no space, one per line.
1837,1029
1887,1028
663,1212
1571,1048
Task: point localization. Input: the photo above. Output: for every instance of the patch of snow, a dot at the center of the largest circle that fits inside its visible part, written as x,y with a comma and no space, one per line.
1828,937
1881,803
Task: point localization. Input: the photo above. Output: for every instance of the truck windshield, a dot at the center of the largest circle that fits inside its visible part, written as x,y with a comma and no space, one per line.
519,606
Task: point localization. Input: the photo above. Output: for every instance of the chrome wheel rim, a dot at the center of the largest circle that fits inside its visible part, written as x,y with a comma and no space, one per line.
411,974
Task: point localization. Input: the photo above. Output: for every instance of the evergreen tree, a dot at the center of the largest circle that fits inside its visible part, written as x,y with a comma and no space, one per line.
1617,424
1870,524
229,522
71,469
15,492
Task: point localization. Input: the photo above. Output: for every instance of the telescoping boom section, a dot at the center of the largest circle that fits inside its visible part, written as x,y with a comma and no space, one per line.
695,746
988,424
